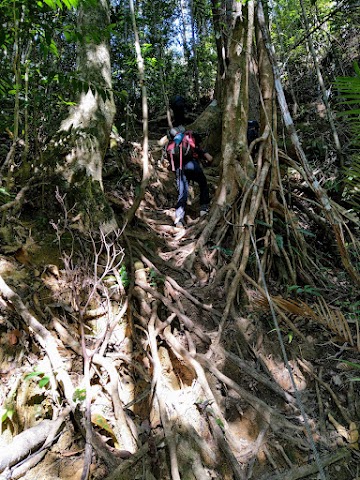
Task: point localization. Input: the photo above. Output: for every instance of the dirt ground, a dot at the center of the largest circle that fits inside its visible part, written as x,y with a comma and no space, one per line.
272,440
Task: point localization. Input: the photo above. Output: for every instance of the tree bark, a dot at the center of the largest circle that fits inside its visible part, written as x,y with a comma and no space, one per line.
145,149
88,125
332,216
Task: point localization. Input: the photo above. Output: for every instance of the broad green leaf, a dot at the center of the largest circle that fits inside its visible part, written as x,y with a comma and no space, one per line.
306,232
280,241
51,4
7,412
4,192
79,395
33,374
53,48
351,364
44,381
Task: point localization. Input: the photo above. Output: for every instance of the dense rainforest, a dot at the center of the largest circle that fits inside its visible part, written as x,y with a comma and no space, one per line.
225,346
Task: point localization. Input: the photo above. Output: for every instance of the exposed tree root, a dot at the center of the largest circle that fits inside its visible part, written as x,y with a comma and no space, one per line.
44,337
28,441
305,470
170,385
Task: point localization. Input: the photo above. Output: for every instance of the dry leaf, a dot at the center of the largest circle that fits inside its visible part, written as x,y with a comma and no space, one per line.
339,428
22,256
13,337
101,422
354,436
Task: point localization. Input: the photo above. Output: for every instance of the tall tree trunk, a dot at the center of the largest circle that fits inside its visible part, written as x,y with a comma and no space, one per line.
237,168
332,215
194,53
186,49
87,127
322,87
145,150
221,44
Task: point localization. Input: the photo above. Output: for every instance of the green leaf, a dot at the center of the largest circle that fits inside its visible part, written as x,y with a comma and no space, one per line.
34,374
311,290
306,232
293,287
101,422
260,222
7,413
351,364
356,111
53,48
357,68
280,241
44,381
3,191
220,423
79,395
51,4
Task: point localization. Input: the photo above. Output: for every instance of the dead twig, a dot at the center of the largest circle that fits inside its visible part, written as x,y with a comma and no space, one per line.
19,470
160,393
306,470
184,292
329,389
247,368
45,339
189,324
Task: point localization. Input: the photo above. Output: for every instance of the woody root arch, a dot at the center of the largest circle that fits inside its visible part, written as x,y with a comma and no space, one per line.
251,217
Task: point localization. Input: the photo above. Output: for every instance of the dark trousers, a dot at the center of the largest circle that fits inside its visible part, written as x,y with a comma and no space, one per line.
191,171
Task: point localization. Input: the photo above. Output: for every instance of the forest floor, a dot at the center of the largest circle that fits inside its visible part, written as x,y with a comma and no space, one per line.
245,396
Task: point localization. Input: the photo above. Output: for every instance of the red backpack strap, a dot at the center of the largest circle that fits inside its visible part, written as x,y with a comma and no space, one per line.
172,162
189,136
181,152
190,141
170,149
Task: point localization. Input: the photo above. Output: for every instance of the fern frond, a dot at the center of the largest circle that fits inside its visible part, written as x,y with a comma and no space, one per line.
330,318
349,89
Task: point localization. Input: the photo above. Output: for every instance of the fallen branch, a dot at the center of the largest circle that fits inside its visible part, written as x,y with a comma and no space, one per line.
24,443
29,440
189,324
329,389
17,200
45,339
306,470
19,470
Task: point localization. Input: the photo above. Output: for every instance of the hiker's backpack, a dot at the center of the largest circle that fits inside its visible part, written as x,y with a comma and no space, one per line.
178,105
252,131
181,147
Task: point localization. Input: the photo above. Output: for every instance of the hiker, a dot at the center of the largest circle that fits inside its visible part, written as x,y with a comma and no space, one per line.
185,154
253,131
177,105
